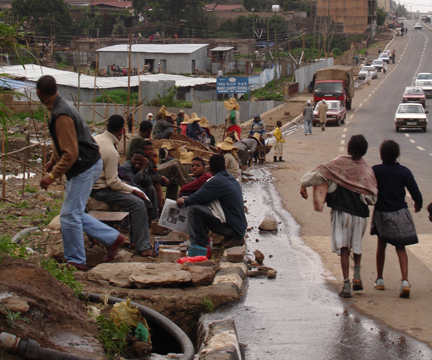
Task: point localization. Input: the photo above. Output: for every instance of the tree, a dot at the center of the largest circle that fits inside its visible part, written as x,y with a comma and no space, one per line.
381,17
47,17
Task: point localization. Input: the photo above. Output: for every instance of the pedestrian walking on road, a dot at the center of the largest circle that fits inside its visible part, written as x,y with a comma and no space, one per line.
279,143
76,155
322,113
308,118
379,50
348,185
391,220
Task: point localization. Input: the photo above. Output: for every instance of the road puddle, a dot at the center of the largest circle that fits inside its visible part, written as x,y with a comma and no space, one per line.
296,316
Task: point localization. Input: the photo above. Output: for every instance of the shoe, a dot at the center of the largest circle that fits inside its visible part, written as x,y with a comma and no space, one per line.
232,242
405,289
113,249
346,289
78,267
146,253
275,159
357,283
379,284
280,159
306,134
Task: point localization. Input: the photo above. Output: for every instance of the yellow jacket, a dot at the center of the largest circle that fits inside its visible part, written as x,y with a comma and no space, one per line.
278,135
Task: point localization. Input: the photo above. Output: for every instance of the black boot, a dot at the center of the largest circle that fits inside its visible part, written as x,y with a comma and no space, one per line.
280,159
275,159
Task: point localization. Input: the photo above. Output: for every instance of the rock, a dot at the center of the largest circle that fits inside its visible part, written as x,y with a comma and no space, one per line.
287,113
58,194
55,223
141,274
10,132
254,263
236,254
271,274
268,224
256,273
41,198
259,256
142,348
201,276
253,98
15,304
123,256
217,239
96,205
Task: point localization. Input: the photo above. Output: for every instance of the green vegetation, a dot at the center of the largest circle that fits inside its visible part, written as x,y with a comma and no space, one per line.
207,304
12,317
20,118
271,91
62,65
63,273
168,99
118,96
113,337
11,249
381,17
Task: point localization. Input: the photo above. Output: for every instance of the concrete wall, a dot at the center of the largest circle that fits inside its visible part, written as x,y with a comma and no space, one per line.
222,16
207,109
352,13
175,63
305,74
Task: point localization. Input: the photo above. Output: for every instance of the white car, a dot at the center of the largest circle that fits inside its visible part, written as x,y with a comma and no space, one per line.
378,64
410,116
424,80
372,70
384,57
417,26
366,74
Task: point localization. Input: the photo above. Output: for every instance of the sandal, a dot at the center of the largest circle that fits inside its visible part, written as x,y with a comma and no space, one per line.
146,253
95,242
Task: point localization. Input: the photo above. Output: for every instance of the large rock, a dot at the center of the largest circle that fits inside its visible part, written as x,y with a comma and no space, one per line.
55,223
15,304
201,276
268,224
97,205
236,254
140,274
259,256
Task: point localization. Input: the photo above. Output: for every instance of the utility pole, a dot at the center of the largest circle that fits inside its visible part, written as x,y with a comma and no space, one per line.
303,46
128,92
276,50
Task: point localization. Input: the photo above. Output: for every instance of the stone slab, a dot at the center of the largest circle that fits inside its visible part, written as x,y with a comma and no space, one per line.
141,274
236,254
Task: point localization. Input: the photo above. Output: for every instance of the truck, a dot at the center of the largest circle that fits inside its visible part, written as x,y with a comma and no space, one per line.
334,83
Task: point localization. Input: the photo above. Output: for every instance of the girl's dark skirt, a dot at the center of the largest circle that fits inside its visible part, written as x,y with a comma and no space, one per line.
395,228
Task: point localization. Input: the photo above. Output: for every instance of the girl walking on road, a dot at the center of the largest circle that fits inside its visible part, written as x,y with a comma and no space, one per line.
391,220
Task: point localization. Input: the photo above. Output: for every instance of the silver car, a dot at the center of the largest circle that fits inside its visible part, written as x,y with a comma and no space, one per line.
384,57
378,64
371,69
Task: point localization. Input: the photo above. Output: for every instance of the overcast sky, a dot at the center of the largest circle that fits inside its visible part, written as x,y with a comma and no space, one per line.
423,6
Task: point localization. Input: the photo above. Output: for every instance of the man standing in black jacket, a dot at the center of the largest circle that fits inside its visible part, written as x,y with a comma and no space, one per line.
76,155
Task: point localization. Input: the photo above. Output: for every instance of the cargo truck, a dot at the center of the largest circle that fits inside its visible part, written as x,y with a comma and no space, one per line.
334,83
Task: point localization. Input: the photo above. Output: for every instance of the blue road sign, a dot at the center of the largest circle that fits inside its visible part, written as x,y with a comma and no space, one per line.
232,85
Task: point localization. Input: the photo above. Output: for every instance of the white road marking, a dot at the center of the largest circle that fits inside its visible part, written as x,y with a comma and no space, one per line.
343,135
351,116
341,149
407,135
361,105
356,110
413,141
342,142
420,148
345,130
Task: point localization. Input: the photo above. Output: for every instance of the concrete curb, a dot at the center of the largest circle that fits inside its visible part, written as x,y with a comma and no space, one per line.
294,121
394,37
221,341
231,272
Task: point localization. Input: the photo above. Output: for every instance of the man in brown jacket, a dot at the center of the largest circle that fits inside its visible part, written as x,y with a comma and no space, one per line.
322,113
77,156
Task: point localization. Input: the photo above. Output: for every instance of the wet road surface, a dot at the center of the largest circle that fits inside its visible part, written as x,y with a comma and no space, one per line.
296,316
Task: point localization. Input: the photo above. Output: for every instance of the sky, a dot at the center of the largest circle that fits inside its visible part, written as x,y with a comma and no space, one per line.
423,6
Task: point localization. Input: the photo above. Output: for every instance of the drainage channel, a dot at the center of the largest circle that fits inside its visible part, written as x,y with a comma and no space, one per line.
296,316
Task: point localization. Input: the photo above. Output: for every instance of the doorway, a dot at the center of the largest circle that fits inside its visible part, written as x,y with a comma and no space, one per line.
163,66
193,67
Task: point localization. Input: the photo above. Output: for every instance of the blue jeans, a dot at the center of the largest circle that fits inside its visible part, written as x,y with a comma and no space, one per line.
74,221
308,127
200,219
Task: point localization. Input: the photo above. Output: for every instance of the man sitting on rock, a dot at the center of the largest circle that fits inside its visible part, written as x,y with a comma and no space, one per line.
137,141
218,206
200,175
137,168
169,174
109,188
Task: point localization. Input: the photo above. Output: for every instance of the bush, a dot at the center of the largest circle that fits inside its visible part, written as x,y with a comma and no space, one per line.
118,96
336,52
168,100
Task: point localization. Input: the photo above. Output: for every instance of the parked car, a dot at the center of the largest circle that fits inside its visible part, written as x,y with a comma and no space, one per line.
378,64
336,113
364,74
384,57
410,116
417,26
371,69
414,94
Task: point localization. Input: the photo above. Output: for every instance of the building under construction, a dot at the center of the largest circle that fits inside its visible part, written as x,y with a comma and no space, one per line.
347,16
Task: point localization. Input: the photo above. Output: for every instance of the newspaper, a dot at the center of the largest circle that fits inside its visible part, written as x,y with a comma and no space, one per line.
174,217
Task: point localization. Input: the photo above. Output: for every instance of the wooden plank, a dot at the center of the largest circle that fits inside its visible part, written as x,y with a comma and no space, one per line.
108,215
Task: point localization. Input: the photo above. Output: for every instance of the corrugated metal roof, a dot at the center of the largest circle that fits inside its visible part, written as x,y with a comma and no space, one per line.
68,78
12,84
118,4
211,7
222,48
155,48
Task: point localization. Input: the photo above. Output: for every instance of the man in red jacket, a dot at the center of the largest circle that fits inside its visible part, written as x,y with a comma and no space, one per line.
200,175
